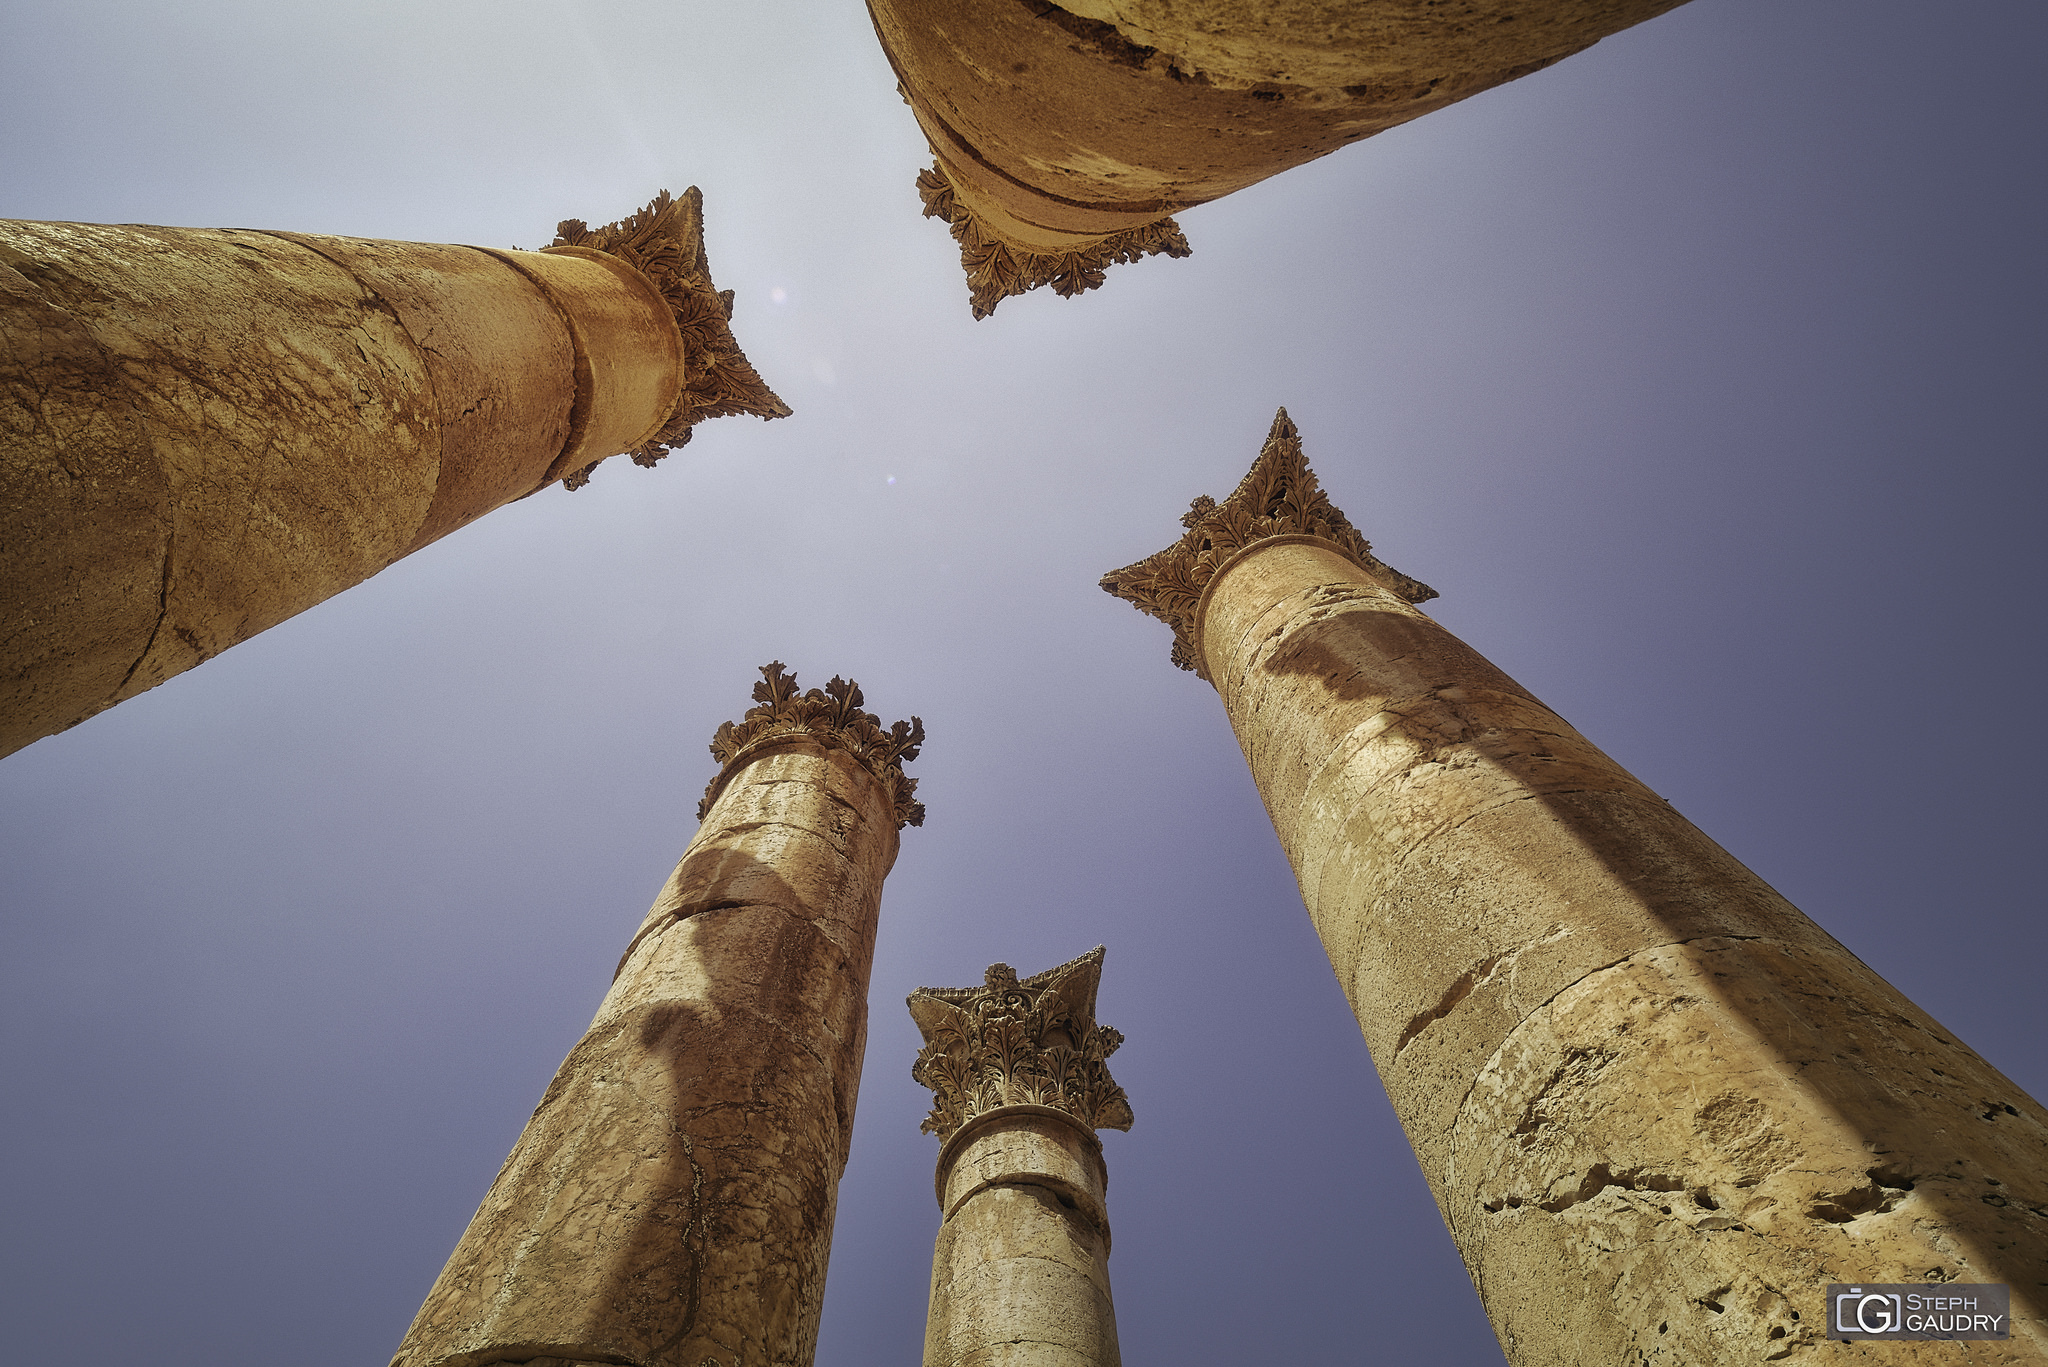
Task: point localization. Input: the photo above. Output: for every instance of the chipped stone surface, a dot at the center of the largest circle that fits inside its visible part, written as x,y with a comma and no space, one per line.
671,1201
1659,1108
1335,44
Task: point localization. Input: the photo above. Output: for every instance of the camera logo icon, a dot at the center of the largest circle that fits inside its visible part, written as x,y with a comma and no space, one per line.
1868,1312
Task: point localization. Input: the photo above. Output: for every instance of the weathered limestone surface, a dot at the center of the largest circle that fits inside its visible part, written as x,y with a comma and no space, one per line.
671,1201
1065,137
1020,1271
1660,1109
204,432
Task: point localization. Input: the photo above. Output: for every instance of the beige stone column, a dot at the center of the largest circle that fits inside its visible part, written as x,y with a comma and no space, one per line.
204,432
1659,1108
670,1203
1065,137
1020,1274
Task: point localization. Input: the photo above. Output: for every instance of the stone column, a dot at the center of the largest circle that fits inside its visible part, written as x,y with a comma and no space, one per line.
670,1203
204,432
1659,1108
1020,1274
1065,138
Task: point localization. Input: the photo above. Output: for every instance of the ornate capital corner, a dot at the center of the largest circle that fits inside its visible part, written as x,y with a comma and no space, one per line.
665,243
1007,1043
996,269
831,716
1279,497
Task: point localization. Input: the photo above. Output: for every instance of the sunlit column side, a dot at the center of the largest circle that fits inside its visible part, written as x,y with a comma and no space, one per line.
1064,138
1020,1273
670,1203
204,432
1659,1108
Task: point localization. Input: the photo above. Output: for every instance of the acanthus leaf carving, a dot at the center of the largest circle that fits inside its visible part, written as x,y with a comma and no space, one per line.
1280,496
996,269
665,242
1010,1042
832,716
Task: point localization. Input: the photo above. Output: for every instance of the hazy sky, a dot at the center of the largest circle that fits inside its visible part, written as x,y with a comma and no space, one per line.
1702,374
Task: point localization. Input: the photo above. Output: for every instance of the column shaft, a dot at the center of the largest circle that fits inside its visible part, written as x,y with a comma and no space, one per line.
1020,1271
670,1202
1065,136
1659,1108
204,432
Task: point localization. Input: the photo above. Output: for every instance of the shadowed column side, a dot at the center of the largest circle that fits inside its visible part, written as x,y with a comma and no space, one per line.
671,1201
1660,1109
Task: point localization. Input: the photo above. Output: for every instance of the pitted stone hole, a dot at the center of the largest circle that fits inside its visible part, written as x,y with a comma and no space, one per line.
1993,1108
1664,1327
1704,1201
1712,1300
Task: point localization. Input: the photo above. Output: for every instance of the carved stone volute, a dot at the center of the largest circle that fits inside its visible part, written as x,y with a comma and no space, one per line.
1008,1043
831,716
665,243
1279,497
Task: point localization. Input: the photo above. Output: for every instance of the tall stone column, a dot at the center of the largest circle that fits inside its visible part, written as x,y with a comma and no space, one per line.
1064,138
1020,1274
1659,1108
670,1203
204,432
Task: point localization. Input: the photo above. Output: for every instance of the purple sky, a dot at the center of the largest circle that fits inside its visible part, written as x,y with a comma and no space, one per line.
1702,374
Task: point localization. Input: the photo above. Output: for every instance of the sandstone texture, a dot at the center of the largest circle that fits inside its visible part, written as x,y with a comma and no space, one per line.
204,432
1660,1108
670,1202
1066,136
1020,1272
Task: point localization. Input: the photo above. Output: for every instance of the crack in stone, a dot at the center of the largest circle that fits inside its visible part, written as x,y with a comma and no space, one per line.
1455,993
1458,1111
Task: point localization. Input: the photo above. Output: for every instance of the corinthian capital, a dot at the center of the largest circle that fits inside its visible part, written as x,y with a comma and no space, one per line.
1008,1042
997,269
1279,497
665,243
831,716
